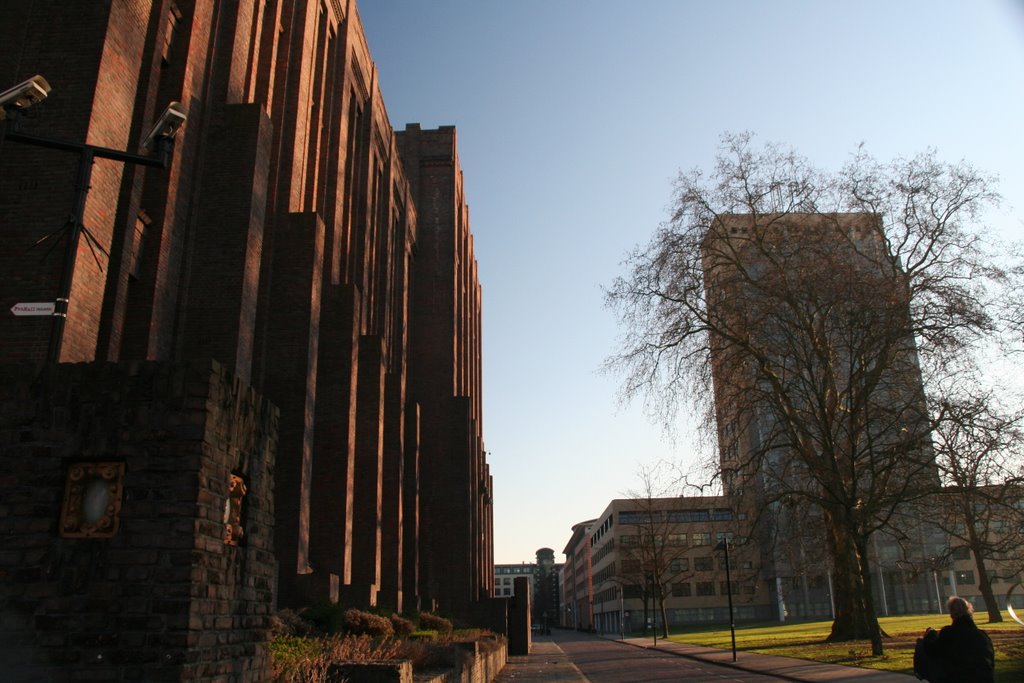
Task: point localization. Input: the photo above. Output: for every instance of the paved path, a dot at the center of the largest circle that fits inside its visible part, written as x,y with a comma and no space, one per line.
572,657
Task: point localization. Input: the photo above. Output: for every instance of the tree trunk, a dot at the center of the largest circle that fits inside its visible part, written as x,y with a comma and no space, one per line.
854,601
985,586
664,614
867,593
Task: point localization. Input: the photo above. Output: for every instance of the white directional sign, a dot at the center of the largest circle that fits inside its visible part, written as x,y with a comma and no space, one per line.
40,308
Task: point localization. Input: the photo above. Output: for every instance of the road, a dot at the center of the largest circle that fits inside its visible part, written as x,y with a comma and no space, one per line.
572,657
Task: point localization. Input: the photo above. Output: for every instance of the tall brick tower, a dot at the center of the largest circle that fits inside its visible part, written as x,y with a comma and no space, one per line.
245,320
446,377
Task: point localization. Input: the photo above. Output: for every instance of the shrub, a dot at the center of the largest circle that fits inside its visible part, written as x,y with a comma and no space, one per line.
423,634
358,622
327,616
308,660
287,622
433,622
403,628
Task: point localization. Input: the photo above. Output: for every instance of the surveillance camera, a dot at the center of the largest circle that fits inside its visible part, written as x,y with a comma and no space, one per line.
24,94
167,125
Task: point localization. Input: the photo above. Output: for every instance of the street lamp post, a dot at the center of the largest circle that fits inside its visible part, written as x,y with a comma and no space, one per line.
724,545
161,137
622,616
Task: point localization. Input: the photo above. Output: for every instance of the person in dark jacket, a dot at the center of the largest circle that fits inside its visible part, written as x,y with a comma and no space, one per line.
960,652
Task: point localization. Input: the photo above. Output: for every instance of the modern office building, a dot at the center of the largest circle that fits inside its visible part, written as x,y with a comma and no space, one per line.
609,567
769,279
505,576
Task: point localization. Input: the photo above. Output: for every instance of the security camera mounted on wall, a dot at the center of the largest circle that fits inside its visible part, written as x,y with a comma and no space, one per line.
167,125
24,95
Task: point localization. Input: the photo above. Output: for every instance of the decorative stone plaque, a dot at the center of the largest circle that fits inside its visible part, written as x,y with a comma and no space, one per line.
92,500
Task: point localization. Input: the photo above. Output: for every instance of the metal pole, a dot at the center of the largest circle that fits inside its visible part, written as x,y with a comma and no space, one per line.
728,590
60,310
622,616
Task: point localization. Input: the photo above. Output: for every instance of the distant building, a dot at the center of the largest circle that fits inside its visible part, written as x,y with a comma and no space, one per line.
577,608
545,577
607,583
505,576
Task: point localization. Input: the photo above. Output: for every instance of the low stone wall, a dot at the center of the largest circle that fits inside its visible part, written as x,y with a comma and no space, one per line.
483,664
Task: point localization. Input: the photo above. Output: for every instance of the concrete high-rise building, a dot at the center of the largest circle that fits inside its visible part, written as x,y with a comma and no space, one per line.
244,369
804,309
818,394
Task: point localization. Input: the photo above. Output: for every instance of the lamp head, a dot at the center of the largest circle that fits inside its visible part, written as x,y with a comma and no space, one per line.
167,125
24,95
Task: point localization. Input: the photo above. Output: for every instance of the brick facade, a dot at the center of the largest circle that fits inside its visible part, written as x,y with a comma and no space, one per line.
284,241
165,598
446,377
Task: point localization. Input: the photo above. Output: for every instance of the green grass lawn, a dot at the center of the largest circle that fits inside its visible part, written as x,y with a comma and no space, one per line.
805,640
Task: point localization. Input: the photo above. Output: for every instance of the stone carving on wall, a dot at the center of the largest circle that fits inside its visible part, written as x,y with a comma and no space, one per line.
233,530
92,500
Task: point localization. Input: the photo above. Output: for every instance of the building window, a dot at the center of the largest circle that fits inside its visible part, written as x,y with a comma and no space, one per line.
705,588
702,538
170,32
629,540
961,553
681,590
723,536
703,564
965,578
681,564
723,588
142,223
687,516
721,515
676,539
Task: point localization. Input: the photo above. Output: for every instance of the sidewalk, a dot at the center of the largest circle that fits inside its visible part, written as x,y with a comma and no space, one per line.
547,663
785,668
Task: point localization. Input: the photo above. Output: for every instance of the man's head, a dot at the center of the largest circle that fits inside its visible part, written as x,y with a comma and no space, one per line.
958,607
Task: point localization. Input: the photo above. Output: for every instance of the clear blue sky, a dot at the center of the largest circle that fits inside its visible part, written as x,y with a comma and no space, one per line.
573,119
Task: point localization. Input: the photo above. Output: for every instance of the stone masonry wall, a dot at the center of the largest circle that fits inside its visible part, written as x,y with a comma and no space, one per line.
165,598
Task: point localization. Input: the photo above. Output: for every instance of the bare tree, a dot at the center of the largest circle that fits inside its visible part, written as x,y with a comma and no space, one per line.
805,312
979,451
654,556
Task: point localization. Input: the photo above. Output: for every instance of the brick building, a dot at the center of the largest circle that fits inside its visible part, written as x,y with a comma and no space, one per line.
445,376
296,247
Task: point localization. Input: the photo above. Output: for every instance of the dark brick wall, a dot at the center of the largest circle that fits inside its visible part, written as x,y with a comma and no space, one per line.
456,532
282,242
165,598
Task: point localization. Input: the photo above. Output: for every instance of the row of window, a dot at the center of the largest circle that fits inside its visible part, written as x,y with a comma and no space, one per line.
695,539
706,588
675,516
601,531
522,569
686,589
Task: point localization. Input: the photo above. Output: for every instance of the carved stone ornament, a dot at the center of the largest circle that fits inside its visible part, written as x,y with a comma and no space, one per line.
233,530
92,500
